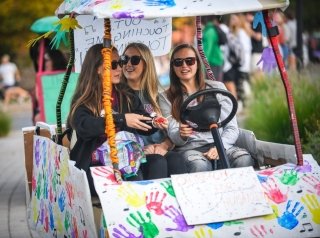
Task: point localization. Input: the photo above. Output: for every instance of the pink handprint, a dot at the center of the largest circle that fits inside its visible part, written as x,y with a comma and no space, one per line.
259,231
314,182
155,205
273,192
176,216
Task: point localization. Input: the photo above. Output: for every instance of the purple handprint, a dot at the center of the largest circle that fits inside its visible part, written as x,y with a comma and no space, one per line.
288,219
125,233
176,216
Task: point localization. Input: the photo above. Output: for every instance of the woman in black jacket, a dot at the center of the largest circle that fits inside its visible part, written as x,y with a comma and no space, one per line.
86,113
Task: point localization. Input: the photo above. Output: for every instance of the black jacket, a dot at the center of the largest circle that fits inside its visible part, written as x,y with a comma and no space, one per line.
90,131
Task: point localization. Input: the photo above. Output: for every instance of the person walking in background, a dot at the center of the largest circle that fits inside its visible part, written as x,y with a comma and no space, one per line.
213,38
140,74
9,85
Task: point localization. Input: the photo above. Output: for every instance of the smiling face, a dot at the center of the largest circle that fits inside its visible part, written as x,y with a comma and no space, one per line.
133,73
185,72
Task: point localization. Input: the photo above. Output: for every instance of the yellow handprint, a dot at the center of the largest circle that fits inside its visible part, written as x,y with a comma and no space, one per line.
132,198
200,233
274,215
310,200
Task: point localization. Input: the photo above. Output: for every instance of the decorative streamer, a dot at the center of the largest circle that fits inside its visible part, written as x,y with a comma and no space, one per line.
268,60
200,49
107,99
258,19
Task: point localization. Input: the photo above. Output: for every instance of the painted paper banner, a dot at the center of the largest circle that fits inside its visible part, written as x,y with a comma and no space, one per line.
222,195
150,208
164,8
61,203
155,33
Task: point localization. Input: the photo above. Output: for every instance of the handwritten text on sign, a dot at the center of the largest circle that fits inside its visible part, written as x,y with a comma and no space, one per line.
155,33
220,195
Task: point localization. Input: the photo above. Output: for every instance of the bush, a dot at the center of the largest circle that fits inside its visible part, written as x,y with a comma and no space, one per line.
312,145
5,124
268,114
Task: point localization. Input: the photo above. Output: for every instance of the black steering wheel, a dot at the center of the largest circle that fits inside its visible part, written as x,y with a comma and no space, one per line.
207,111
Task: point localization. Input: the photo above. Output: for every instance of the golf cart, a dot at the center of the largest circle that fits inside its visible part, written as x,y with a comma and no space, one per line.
281,201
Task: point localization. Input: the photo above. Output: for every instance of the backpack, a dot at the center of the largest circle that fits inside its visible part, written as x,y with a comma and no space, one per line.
236,52
222,36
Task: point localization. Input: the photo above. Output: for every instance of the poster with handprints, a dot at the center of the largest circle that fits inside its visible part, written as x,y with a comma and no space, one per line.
61,204
220,195
150,208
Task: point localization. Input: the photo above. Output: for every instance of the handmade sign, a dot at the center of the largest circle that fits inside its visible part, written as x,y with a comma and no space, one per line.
155,33
61,203
221,195
150,208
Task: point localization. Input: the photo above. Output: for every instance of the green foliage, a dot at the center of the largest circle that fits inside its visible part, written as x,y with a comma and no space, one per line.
312,145
268,114
5,124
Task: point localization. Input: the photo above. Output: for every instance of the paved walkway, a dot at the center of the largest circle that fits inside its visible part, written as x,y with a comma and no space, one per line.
13,219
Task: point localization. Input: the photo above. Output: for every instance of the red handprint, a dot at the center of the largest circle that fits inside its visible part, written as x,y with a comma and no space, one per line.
259,231
154,204
314,182
273,192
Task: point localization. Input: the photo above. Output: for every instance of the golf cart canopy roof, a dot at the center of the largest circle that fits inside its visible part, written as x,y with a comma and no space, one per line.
172,8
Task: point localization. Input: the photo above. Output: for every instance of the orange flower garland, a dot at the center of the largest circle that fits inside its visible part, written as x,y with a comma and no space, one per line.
107,101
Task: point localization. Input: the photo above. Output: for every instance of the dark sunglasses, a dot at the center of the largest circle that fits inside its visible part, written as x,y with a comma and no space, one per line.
179,61
115,63
134,60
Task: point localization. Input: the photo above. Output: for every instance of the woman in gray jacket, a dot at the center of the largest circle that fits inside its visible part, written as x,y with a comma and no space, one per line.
198,148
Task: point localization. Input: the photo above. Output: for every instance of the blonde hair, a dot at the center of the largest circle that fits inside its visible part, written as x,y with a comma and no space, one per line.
149,81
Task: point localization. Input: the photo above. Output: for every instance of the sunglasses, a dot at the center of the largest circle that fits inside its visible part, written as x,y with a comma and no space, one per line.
115,63
178,62
134,60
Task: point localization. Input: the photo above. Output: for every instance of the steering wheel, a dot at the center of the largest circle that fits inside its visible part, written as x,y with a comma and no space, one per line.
206,112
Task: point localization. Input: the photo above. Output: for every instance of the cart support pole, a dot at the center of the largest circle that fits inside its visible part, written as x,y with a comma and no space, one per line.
284,76
218,143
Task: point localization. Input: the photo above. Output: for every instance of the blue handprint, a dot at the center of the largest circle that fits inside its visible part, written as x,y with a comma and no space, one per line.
61,200
288,219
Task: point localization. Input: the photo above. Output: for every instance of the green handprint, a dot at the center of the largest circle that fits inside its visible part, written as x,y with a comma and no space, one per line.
147,228
168,187
313,205
289,177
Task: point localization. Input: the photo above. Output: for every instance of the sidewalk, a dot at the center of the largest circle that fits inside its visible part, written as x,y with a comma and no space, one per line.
13,219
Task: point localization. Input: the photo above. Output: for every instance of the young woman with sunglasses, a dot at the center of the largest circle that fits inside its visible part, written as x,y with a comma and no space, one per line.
197,148
86,113
140,74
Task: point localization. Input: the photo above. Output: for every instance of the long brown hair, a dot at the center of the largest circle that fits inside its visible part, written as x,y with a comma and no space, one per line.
149,80
89,88
176,88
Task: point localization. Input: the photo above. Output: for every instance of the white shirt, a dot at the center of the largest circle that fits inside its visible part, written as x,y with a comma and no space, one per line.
7,73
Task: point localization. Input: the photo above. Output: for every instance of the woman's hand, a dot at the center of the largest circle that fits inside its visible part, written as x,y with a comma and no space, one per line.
212,154
137,121
155,149
160,123
185,131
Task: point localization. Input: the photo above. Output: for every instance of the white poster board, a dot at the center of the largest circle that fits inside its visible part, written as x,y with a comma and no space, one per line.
221,195
155,33
150,208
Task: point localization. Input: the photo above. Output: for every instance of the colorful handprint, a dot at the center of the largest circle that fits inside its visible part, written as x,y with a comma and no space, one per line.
168,187
314,182
201,233
274,215
132,198
124,233
155,204
310,200
176,216
290,177
260,231
147,228
289,219
273,192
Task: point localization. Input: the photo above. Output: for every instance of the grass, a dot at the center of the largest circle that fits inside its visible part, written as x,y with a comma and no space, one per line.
5,124
267,112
